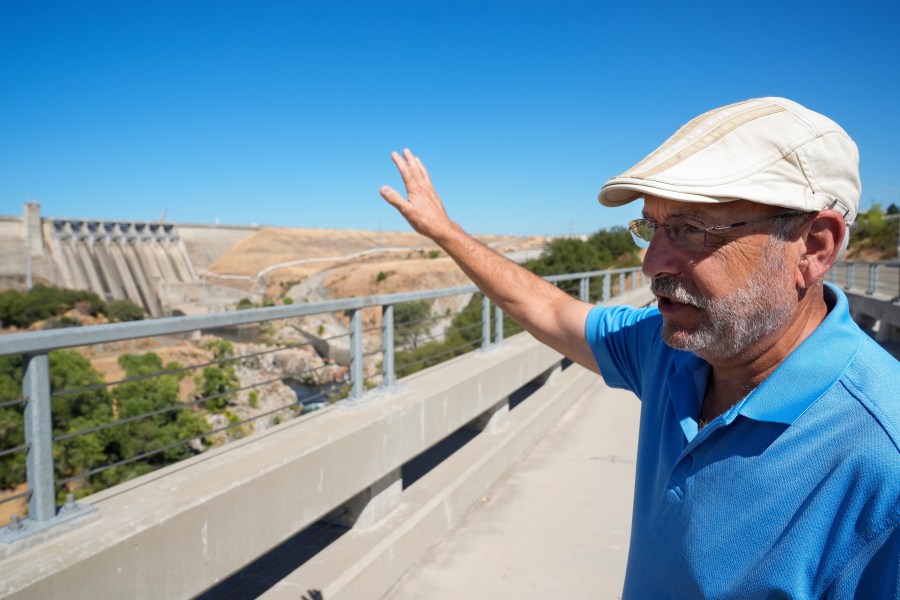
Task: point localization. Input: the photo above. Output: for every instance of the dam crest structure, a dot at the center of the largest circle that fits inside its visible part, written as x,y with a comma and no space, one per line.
153,264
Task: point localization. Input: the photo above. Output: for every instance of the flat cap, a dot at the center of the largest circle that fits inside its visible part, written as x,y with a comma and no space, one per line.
767,150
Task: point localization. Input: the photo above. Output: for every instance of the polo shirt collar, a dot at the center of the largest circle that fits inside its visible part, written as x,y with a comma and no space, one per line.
811,369
686,383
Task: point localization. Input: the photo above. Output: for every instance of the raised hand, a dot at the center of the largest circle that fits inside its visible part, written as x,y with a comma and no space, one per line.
422,207
550,314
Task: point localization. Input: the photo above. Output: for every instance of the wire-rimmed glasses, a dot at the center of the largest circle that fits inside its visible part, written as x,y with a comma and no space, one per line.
691,234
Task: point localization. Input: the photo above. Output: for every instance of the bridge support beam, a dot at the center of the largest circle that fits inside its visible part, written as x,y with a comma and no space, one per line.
368,508
493,419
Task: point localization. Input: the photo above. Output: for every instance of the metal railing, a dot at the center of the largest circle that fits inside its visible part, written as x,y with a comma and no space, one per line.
871,278
36,401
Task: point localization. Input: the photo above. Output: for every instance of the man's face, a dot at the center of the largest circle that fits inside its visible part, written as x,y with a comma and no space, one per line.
718,301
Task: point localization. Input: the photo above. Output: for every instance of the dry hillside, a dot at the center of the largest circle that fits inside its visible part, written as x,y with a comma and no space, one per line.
284,257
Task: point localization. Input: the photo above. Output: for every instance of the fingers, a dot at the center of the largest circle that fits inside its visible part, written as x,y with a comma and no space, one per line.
424,170
401,163
412,170
392,196
415,178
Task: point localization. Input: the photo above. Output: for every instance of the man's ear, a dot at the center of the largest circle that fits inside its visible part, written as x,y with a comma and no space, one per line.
823,241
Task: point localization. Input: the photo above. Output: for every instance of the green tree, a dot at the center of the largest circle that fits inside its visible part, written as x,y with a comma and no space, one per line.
47,303
615,247
79,402
218,382
566,255
873,232
463,335
12,425
411,321
75,405
607,248
69,371
172,422
12,308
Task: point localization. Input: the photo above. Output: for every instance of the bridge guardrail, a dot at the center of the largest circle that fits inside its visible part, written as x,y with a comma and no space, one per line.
36,402
871,278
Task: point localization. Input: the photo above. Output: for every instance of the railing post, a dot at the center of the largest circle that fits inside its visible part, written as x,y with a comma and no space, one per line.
873,278
39,437
607,292
387,345
356,354
584,287
621,283
498,325
849,276
485,322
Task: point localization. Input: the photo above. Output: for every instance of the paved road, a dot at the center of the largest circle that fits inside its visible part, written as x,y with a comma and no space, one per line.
556,526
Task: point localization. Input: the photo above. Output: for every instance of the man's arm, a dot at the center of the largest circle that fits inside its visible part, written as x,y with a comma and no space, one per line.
549,314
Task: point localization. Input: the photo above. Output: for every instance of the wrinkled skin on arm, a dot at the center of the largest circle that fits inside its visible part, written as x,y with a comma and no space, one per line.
550,315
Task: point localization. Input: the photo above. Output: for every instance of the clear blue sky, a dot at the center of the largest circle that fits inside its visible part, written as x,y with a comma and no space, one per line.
285,113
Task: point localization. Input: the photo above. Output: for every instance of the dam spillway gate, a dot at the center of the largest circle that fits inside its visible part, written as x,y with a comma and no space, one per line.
119,260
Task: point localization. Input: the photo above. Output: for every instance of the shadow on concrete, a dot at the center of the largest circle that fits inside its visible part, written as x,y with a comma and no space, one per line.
419,466
262,574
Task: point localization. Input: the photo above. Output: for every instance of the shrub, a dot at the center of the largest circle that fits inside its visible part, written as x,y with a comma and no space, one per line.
60,322
124,310
43,302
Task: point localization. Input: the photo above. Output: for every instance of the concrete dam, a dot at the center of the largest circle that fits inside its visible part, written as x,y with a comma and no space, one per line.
121,260
153,264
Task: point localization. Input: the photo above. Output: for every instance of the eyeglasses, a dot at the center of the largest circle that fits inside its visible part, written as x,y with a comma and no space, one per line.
692,235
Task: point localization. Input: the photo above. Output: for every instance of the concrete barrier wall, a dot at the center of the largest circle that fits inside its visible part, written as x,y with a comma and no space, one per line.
880,315
176,532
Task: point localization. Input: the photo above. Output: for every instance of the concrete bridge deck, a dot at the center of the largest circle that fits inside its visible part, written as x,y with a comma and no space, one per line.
555,526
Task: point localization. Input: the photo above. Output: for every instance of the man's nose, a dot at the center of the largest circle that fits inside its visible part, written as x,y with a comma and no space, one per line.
662,256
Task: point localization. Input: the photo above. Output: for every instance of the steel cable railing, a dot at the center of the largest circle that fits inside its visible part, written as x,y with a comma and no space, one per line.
446,334
870,278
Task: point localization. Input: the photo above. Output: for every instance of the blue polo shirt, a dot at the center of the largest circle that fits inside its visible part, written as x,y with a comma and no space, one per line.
792,493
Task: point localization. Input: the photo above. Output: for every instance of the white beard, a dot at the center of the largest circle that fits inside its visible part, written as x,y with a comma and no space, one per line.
735,322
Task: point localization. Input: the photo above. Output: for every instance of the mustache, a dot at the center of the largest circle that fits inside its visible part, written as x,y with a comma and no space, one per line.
670,287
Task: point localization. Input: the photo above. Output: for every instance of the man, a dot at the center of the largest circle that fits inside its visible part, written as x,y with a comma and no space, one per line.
769,449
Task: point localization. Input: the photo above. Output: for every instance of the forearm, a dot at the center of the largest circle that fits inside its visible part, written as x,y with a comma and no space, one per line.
545,311
517,291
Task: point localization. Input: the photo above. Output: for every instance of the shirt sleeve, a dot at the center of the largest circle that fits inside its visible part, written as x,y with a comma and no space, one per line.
621,339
